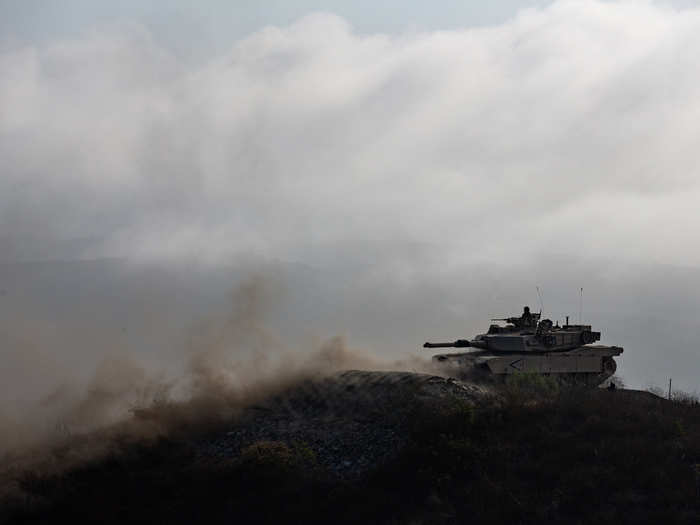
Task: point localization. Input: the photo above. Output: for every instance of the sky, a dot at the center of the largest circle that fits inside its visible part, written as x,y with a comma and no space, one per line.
409,170
195,31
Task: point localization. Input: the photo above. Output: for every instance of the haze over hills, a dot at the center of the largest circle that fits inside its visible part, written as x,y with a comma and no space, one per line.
78,313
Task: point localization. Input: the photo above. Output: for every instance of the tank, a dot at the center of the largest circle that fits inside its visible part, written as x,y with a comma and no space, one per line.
528,344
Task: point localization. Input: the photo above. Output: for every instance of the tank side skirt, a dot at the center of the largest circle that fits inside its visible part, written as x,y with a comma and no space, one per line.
583,360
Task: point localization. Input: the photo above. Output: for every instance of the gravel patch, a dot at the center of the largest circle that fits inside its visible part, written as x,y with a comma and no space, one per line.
351,421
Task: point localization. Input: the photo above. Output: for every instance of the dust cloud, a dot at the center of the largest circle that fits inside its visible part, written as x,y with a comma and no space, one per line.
231,360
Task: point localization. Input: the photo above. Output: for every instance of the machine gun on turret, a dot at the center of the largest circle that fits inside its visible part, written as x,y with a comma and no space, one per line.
526,320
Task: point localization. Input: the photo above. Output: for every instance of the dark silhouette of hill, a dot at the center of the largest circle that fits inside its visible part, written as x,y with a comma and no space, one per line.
391,448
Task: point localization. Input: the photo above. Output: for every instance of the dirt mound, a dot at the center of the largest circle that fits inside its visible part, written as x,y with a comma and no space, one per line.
391,447
352,420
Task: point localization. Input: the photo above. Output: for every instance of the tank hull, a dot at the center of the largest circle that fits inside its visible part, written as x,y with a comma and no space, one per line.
590,365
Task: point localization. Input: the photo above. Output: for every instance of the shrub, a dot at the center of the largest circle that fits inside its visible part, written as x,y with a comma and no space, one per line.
685,398
528,387
268,453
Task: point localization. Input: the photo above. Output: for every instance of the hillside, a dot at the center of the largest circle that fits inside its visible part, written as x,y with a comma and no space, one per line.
381,447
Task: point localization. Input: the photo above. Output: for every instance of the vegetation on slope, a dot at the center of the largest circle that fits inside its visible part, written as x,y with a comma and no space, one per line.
536,453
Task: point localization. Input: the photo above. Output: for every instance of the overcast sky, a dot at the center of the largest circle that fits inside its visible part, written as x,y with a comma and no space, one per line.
575,119
396,145
200,29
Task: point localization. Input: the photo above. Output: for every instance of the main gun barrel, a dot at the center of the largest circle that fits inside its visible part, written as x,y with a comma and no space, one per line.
460,343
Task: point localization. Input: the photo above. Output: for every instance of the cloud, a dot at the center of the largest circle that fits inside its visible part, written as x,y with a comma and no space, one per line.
580,117
407,187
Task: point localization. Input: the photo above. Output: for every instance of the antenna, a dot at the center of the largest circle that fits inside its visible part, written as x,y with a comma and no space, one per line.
540,296
580,307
